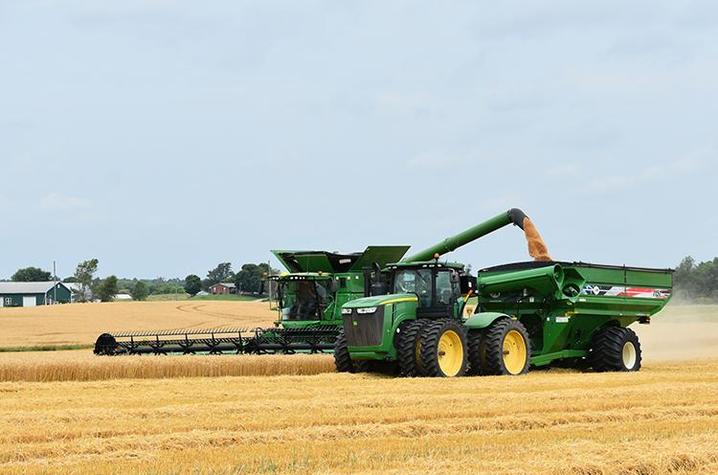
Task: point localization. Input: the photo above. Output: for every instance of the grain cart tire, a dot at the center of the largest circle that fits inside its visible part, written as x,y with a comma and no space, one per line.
476,365
505,348
615,349
444,350
408,347
342,359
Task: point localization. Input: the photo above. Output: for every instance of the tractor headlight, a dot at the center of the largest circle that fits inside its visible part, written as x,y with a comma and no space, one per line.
346,311
366,310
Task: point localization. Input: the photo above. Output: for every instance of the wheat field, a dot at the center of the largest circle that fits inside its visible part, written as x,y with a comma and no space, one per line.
72,412
82,323
660,420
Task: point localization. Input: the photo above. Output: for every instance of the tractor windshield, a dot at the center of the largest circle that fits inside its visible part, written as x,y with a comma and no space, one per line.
302,299
414,281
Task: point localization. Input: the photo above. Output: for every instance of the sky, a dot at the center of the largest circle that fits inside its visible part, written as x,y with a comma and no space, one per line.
163,137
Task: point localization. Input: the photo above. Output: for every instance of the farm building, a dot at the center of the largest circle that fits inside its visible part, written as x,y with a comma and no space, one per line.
30,294
223,288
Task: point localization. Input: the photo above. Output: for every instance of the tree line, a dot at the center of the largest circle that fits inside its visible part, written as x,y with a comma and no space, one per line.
692,280
248,280
697,281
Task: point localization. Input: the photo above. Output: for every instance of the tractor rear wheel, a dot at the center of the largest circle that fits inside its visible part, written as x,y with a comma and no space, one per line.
408,347
444,349
476,361
342,358
615,349
505,348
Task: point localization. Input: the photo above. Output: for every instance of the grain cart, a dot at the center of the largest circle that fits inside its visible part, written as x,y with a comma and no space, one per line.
308,301
527,313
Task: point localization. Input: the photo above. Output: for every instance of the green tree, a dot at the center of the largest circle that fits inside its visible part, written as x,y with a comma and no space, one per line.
192,284
221,273
251,277
107,289
139,291
84,274
31,274
697,281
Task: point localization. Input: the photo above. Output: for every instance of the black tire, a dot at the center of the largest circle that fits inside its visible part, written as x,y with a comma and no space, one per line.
492,357
431,353
407,343
615,349
342,359
475,359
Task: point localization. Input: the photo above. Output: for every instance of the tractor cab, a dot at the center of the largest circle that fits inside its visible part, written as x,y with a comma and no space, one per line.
438,286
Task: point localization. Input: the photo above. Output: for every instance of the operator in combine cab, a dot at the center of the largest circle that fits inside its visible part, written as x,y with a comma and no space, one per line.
305,305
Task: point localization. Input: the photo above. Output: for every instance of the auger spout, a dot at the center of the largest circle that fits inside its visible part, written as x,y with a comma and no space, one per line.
513,216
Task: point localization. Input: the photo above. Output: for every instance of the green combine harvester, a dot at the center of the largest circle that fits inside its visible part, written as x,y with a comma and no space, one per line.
308,300
526,314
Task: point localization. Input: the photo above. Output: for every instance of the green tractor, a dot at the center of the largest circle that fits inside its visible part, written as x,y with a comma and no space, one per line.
526,314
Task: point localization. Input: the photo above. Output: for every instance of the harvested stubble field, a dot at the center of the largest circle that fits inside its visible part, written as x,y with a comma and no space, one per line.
662,419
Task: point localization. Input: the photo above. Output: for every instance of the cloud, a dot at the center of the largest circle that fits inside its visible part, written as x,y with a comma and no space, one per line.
669,170
57,201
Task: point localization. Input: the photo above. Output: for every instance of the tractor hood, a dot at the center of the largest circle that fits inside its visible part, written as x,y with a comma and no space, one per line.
379,300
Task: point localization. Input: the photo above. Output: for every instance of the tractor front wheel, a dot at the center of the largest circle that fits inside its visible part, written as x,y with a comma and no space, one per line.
615,349
342,358
444,349
408,347
505,348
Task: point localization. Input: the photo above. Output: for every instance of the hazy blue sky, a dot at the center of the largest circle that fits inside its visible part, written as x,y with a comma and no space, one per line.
163,137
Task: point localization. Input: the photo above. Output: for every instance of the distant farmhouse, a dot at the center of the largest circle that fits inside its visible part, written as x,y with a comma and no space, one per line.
31,294
223,288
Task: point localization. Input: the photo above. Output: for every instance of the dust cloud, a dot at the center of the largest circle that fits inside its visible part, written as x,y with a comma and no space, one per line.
680,332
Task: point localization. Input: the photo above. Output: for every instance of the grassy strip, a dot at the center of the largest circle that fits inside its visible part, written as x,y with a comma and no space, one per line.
19,349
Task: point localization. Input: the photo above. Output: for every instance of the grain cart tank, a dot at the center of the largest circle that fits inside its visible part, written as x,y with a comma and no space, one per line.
528,313
308,303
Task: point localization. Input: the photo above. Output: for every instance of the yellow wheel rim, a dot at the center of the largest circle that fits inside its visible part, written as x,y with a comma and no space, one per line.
515,353
451,353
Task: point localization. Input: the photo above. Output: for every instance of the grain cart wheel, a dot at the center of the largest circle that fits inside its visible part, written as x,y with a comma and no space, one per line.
342,359
615,349
505,348
444,351
408,347
476,361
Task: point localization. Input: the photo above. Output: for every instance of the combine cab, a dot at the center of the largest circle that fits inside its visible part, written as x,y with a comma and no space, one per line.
308,302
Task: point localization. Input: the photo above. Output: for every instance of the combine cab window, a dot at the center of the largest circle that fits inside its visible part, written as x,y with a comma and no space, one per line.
303,299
